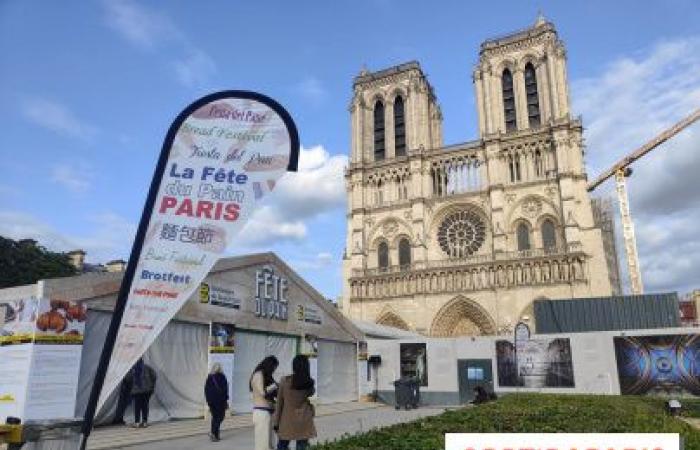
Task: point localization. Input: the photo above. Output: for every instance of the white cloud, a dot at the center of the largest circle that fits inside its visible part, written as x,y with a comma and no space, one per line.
317,188
268,226
623,107
57,118
110,237
194,68
634,98
75,178
312,90
149,29
321,260
141,26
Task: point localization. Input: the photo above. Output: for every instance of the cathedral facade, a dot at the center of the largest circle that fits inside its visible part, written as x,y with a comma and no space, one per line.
451,240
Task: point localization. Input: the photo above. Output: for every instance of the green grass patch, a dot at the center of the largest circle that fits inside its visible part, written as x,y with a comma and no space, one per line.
528,413
691,408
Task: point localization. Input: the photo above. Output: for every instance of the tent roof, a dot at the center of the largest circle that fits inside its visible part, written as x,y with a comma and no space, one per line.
91,286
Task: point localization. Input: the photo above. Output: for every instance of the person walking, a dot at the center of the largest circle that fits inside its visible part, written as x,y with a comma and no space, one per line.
216,394
264,391
294,414
143,384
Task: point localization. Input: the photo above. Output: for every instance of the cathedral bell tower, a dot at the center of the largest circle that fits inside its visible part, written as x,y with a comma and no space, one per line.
520,81
525,123
392,111
395,119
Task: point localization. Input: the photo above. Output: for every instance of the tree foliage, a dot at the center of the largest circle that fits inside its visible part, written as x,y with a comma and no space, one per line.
25,262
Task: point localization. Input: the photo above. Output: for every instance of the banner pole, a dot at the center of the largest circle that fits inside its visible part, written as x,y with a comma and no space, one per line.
125,288
144,223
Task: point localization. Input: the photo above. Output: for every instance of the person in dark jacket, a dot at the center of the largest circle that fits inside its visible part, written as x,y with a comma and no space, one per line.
480,395
216,394
123,401
143,384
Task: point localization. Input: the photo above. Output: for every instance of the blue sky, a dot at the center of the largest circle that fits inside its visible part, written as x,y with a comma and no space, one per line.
88,89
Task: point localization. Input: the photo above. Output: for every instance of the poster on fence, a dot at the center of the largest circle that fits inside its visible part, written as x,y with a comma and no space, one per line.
414,362
222,350
16,344
40,351
58,344
539,363
659,365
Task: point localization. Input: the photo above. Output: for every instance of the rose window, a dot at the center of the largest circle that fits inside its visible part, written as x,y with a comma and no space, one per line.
461,234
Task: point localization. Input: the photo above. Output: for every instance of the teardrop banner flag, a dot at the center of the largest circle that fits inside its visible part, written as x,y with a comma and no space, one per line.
222,155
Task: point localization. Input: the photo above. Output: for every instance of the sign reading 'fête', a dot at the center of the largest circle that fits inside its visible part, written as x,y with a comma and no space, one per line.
271,295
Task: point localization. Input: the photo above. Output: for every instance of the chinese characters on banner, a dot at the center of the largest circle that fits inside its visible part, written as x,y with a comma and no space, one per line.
223,155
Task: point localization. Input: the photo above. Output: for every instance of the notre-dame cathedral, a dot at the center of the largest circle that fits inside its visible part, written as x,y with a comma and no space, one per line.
460,239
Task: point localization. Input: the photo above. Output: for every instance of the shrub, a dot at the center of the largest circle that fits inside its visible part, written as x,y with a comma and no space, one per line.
528,413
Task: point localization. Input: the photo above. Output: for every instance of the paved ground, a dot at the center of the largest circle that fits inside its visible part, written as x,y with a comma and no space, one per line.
333,421
693,421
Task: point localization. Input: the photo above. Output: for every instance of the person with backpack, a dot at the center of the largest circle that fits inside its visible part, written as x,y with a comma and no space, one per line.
143,384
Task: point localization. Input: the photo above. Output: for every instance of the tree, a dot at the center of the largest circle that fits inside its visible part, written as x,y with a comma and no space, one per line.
24,262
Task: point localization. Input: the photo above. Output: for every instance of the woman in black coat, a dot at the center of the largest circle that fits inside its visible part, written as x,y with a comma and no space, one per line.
216,393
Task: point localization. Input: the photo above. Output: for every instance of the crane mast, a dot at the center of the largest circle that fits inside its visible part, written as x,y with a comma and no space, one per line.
628,234
620,171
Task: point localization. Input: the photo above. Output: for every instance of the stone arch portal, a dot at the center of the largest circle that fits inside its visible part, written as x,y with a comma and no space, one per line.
462,317
390,319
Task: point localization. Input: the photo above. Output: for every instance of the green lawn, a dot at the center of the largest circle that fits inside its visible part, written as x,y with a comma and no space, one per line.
691,408
527,413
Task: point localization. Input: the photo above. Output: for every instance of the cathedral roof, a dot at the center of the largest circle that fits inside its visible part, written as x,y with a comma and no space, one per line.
366,76
540,26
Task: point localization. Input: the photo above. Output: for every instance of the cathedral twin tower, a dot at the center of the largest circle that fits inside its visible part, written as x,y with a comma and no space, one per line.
461,239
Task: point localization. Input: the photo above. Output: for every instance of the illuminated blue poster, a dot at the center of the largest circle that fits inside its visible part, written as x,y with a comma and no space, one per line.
659,365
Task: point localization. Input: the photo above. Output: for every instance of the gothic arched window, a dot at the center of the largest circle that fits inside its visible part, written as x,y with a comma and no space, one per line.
533,102
404,253
399,128
508,100
383,255
539,166
549,238
380,193
378,131
523,232
514,167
